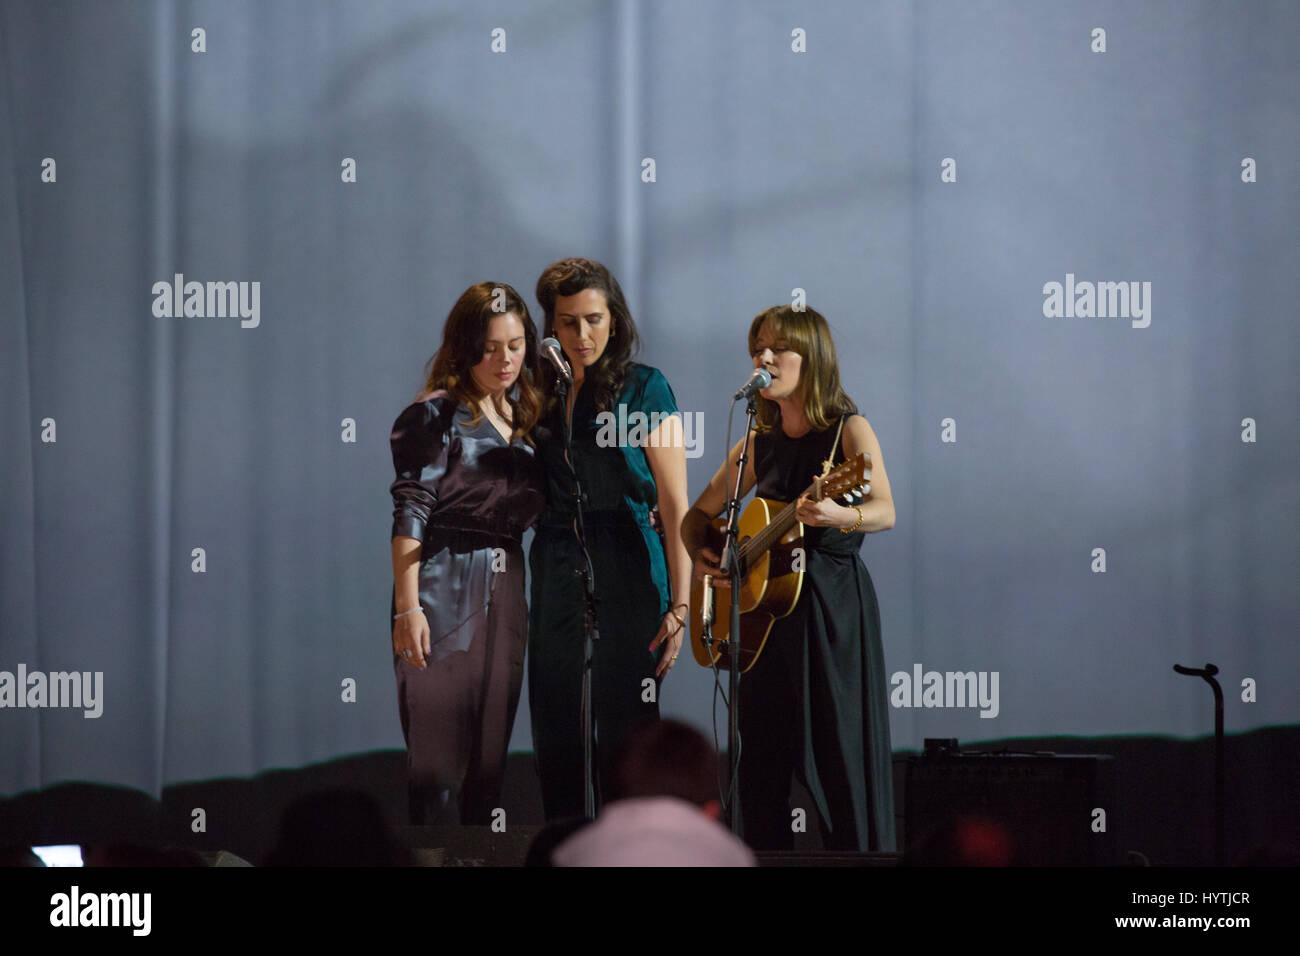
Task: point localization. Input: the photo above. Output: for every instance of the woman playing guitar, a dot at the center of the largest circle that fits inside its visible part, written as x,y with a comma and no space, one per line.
815,703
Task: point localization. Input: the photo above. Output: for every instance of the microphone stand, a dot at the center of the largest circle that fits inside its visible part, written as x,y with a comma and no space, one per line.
1207,674
731,647
590,631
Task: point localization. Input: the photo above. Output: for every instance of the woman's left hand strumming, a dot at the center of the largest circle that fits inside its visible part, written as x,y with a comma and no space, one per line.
671,631
823,514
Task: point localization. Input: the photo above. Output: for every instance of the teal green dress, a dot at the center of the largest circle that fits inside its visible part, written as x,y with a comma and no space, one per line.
632,588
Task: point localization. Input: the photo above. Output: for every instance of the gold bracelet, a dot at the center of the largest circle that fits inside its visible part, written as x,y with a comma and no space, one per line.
855,527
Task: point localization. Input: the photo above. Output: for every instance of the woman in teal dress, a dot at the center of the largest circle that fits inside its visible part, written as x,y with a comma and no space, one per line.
628,454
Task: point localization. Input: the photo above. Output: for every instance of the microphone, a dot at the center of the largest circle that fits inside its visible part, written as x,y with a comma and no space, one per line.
760,380
555,355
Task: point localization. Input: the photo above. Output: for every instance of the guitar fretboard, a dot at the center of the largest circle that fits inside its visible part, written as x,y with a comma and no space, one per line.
834,483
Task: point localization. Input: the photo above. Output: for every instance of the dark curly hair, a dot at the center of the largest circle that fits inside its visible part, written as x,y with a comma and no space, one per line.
569,277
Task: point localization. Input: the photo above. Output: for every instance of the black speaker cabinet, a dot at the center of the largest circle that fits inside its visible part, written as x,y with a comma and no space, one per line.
1036,809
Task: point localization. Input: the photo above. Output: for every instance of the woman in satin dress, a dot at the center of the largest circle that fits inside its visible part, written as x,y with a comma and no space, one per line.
467,486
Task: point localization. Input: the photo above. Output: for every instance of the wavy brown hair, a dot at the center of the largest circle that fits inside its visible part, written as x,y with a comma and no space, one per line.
808,334
569,277
464,339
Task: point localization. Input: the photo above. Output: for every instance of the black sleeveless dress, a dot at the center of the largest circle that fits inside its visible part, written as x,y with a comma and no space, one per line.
817,703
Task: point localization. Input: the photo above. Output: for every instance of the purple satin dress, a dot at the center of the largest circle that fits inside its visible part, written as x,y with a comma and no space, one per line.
467,494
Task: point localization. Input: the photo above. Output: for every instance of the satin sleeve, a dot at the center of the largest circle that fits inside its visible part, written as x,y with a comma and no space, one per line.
420,442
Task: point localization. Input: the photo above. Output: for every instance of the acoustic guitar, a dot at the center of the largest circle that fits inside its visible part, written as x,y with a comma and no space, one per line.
771,566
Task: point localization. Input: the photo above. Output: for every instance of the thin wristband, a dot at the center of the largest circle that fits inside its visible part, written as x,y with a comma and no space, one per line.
404,613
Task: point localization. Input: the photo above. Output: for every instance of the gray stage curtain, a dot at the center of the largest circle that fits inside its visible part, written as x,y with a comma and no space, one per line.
774,170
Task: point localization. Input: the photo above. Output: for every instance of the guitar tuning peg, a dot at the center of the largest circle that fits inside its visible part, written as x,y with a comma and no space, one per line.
854,496
857,494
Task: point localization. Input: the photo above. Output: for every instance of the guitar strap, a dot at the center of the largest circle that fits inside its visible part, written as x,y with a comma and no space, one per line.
829,462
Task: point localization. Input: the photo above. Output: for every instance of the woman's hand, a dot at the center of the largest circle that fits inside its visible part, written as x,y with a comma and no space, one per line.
706,563
824,514
671,631
411,638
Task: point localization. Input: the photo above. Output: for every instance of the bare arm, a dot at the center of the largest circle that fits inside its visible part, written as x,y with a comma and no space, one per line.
666,453
878,508
406,573
709,505
410,631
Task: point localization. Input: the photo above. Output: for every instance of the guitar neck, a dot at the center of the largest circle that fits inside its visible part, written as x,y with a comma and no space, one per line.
855,471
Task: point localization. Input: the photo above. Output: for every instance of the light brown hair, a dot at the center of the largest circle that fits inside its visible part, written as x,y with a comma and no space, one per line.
807,333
